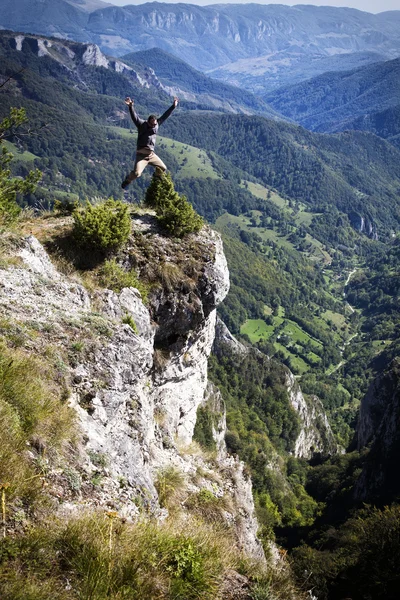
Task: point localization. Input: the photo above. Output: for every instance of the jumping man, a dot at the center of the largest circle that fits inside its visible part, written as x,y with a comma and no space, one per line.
147,133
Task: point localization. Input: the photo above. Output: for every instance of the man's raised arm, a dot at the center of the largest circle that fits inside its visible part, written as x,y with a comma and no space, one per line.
134,116
169,111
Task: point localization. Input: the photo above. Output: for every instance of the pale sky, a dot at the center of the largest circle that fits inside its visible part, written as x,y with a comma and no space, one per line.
372,6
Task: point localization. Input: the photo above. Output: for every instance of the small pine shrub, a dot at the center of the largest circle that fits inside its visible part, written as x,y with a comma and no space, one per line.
103,227
180,218
174,212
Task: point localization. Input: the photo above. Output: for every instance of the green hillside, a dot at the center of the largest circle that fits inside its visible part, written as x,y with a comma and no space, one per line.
173,71
288,202
330,102
355,172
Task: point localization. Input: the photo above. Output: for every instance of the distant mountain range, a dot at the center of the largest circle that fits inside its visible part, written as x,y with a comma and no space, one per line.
132,75
78,92
260,47
179,78
367,98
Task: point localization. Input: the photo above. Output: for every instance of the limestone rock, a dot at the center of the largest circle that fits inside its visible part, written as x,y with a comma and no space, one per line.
136,389
316,435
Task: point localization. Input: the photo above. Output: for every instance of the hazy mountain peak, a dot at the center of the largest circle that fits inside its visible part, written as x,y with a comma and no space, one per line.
89,5
258,47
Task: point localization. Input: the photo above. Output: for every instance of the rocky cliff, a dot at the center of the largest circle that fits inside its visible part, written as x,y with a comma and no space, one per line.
136,385
378,428
315,433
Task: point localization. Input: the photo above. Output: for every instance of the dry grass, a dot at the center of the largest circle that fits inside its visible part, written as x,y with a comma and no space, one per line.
170,486
33,414
208,506
103,558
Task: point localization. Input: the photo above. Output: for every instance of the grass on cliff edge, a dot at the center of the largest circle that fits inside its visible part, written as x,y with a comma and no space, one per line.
33,416
100,556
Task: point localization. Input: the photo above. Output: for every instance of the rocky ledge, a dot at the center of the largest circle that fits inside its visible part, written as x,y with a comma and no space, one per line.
136,372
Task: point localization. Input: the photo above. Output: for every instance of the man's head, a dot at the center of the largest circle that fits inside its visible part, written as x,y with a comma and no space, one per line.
152,120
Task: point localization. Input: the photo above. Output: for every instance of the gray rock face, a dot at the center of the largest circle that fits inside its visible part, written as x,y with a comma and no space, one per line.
37,292
379,427
179,388
215,404
136,403
128,303
316,435
224,338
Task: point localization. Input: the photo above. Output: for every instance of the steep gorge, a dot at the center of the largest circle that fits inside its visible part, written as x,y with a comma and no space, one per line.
136,375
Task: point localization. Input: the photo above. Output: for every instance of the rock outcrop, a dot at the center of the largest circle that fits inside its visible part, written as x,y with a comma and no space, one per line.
316,436
137,373
379,428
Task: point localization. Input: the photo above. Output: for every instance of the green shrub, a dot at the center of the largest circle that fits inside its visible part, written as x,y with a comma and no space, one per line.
174,212
203,430
114,277
105,226
129,320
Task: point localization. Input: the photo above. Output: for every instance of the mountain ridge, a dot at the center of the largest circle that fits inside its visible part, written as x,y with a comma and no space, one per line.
328,102
216,35
74,56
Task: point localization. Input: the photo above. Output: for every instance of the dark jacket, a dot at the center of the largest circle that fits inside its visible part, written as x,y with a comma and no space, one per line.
146,134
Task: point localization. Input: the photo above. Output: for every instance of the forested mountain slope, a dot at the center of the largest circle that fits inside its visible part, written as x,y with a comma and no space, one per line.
259,46
68,61
193,85
350,171
386,124
333,101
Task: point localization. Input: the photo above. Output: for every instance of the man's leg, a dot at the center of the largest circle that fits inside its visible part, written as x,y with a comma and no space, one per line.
140,164
155,161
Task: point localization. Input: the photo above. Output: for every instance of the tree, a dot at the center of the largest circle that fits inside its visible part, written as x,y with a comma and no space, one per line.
10,186
174,212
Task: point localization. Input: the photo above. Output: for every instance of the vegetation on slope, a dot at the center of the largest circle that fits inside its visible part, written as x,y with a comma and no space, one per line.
286,296
329,101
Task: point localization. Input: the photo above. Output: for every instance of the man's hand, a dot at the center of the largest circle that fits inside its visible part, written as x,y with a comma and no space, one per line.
176,100
129,101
